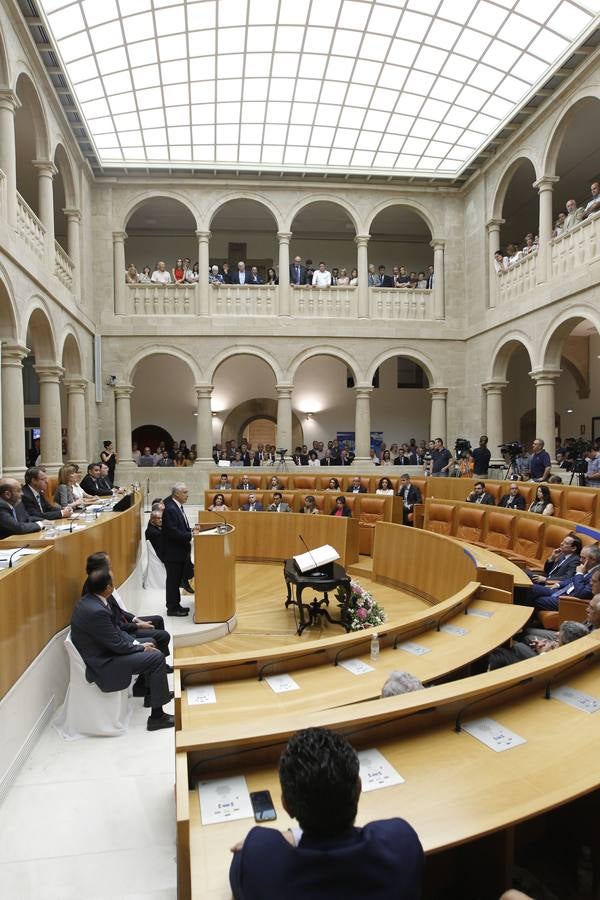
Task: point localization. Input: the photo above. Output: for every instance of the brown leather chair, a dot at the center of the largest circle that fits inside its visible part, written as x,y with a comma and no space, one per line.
469,523
420,483
439,518
580,506
556,495
371,511
570,608
528,539
500,531
304,482
553,535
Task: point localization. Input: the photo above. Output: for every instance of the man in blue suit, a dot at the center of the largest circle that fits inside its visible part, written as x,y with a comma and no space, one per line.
253,505
327,857
580,585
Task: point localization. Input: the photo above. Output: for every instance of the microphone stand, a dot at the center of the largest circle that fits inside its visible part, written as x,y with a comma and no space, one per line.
12,555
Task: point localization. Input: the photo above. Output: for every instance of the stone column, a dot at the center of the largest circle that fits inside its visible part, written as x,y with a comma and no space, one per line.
76,421
123,394
362,264
493,427
9,103
13,410
73,217
121,305
545,427
284,272
493,244
439,302
50,416
203,260
437,427
46,172
204,442
545,186
362,424
284,416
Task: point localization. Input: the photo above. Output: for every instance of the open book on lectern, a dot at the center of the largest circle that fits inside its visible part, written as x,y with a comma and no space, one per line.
318,561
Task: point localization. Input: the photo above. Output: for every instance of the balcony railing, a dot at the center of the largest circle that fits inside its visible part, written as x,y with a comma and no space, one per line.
29,228
63,266
400,303
162,299
326,303
519,278
571,250
243,300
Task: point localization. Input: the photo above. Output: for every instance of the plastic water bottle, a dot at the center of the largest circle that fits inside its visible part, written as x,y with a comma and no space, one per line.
374,646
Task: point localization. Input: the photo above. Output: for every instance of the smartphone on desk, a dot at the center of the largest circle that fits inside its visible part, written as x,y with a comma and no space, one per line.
262,805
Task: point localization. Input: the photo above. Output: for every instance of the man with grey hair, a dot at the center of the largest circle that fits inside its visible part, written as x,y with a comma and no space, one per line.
506,656
574,215
400,683
177,541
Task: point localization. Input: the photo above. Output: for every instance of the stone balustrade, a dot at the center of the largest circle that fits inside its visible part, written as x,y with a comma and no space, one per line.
575,248
327,303
518,279
63,266
400,303
30,229
161,299
243,300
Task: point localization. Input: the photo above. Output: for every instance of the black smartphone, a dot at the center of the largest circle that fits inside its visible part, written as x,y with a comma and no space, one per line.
264,811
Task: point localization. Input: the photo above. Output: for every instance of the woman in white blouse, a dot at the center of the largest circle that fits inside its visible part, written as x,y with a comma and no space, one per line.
384,486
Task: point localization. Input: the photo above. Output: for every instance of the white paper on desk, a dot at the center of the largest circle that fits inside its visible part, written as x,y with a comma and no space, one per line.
482,613
356,666
493,734
454,629
16,554
320,556
577,699
224,799
201,694
415,649
376,772
280,684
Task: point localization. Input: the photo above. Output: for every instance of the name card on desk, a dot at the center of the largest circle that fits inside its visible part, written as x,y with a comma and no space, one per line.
201,694
493,734
280,684
577,699
415,649
356,666
454,629
480,613
16,555
376,772
224,799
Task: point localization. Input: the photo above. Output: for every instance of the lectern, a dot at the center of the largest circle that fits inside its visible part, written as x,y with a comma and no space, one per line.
214,564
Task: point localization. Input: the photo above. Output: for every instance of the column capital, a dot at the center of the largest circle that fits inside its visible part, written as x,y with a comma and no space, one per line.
203,235
362,240
123,390
437,243
45,167
438,393
545,376
494,223
363,390
75,384
72,215
9,100
284,237
546,183
494,387
49,373
119,237
203,391
13,354
284,390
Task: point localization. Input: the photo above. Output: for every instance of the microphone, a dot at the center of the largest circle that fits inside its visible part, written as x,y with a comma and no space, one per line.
73,520
18,550
221,516
312,557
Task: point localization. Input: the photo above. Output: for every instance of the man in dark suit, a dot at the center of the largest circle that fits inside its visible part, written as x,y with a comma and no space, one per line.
297,272
245,457
560,566
253,505
514,499
410,495
278,504
34,499
547,596
113,657
327,857
480,495
14,518
385,281
240,276
91,482
177,539
154,534
356,486
254,276
244,484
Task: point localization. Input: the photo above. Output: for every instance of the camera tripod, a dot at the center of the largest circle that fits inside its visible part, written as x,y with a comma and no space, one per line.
511,469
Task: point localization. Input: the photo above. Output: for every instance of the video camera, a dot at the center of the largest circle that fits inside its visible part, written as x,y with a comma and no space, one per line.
513,449
281,452
577,462
462,448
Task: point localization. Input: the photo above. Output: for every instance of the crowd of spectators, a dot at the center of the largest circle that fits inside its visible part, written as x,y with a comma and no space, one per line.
177,455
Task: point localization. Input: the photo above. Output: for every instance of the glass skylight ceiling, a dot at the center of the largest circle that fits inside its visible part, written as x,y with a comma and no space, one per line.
379,86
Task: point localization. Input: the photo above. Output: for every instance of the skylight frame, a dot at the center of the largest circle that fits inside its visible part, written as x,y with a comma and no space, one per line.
393,139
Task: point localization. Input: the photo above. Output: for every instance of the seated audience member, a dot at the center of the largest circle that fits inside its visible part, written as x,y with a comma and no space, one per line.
356,487
592,619
341,509
386,459
544,596
310,506
34,497
401,683
135,453
218,504
68,492
146,276
480,495
165,461
253,505
346,457
224,483
275,484
555,479
244,484
240,276
160,274
540,463
593,204
154,531
384,486
91,483
14,518
560,566
322,277
542,503
147,458
506,656
313,458
410,495
131,275
300,458
112,657
514,499
278,504
327,856
333,485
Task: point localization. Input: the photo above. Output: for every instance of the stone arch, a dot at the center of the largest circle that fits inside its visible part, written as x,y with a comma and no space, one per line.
212,211
348,208
8,315
142,197
4,62
37,323
70,353
559,329
504,350
63,163
525,154
30,99
244,350
159,349
409,353
563,118
323,350
428,217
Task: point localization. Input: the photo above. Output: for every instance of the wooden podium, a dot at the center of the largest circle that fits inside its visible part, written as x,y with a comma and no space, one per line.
214,563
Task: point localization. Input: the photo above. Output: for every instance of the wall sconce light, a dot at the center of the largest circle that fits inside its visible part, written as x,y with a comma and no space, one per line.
309,415
213,414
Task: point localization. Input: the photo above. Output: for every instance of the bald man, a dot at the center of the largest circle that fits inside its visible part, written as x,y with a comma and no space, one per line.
14,518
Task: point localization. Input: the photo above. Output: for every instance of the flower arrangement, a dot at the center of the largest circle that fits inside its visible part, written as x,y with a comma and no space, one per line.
358,608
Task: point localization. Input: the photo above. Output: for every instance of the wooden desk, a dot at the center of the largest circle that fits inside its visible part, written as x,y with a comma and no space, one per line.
214,556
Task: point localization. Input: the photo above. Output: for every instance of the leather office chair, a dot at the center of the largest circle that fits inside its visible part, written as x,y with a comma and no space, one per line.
469,523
